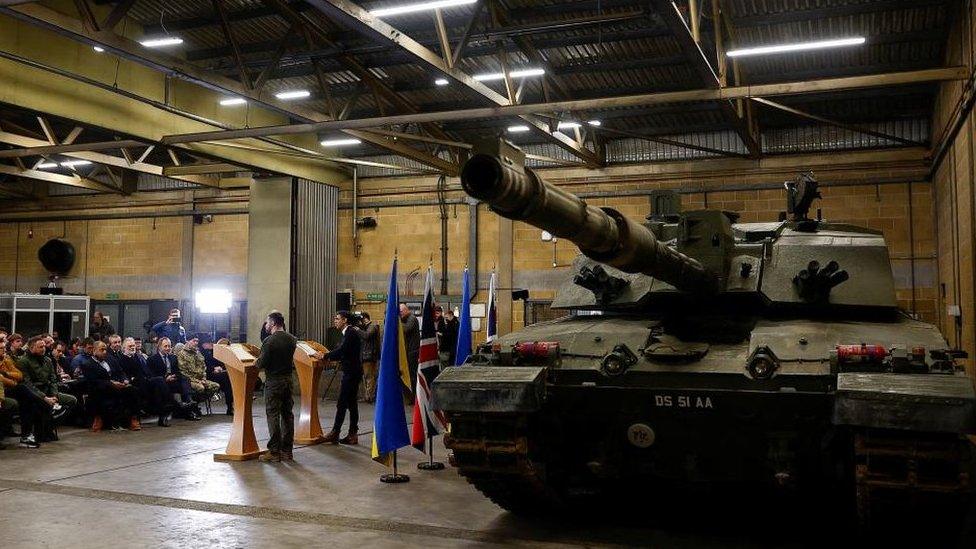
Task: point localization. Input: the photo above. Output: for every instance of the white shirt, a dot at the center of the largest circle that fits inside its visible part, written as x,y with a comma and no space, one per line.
106,366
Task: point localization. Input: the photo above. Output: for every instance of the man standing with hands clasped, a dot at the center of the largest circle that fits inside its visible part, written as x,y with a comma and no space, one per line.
348,353
276,359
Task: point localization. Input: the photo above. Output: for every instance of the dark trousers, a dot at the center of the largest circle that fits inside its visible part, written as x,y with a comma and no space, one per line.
8,407
181,386
223,379
114,404
348,400
155,396
31,405
281,419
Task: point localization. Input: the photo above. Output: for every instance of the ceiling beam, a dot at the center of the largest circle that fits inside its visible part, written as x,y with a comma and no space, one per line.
47,18
313,32
830,122
60,179
356,18
74,147
700,63
639,100
198,169
100,158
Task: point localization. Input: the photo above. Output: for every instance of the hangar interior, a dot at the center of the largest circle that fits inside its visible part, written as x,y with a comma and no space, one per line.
287,150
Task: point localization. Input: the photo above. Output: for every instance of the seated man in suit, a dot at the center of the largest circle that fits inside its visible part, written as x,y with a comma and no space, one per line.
348,353
109,391
163,363
154,395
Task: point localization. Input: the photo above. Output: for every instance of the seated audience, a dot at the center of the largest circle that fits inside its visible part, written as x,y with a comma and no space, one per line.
15,346
110,395
75,348
61,362
40,373
155,396
10,376
85,349
194,367
163,363
140,347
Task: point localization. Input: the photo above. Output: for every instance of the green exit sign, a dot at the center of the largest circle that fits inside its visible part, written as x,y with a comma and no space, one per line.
111,296
375,297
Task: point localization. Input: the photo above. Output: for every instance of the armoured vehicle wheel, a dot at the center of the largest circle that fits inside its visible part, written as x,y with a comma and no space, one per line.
495,453
903,479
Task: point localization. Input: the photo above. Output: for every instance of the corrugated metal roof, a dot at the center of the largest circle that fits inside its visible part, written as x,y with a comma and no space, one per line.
629,50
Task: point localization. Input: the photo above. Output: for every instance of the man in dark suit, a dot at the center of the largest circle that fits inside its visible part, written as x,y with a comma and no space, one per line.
109,390
154,394
163,363
348,354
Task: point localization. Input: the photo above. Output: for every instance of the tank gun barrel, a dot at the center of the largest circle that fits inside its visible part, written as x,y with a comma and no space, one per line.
499,178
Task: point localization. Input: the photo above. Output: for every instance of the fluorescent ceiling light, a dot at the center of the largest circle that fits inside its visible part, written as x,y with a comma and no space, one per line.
340,142
47,165
518,129
74,163
233,101
522,73
293,94
441,82
98,49
594,122
162,42
421,6
802,46
568,125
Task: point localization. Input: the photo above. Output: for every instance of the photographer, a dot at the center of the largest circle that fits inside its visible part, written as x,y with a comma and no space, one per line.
172,328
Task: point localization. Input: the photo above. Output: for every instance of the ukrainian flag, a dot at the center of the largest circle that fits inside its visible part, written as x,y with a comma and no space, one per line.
390,421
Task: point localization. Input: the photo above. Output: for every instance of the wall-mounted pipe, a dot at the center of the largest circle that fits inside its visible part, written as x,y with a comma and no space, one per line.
355,212
473,246
97,217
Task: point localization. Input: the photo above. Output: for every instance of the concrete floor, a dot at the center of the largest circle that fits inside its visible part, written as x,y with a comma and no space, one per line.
161,488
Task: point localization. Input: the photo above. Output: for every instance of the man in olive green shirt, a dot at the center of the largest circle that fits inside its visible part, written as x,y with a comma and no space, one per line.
277,361
41,373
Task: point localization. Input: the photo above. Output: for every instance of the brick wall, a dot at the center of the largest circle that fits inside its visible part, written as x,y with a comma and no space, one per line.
138,258
954,199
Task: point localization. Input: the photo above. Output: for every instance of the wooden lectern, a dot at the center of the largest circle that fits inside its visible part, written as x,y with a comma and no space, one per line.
309,372
238,360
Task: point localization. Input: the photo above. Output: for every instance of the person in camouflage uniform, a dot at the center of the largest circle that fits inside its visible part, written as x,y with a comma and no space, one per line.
194,367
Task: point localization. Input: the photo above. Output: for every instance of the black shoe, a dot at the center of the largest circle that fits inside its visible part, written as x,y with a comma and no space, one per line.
192,417
29,442
163,421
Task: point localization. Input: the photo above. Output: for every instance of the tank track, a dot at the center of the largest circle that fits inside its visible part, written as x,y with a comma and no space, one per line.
901,476
493,453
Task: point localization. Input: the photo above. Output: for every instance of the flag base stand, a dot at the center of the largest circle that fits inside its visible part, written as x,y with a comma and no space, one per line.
430,464
394,477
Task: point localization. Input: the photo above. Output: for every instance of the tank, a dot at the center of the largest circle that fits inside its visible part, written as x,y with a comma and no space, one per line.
701,352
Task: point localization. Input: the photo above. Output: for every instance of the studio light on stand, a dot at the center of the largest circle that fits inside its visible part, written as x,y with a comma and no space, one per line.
214,302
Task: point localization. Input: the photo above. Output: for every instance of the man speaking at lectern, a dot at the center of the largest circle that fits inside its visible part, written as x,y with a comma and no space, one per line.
276,359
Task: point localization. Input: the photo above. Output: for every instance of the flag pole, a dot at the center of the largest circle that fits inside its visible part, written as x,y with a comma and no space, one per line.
430,464
395,477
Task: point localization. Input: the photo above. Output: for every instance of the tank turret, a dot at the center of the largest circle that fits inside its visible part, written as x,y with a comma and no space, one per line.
496,174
